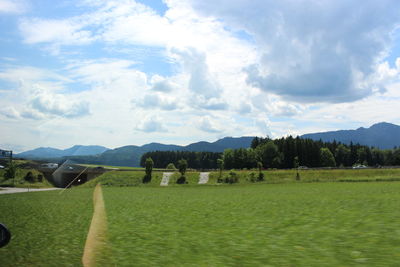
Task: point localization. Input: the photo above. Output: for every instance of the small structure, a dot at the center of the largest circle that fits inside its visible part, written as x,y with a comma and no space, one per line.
204,177
69,174
165,178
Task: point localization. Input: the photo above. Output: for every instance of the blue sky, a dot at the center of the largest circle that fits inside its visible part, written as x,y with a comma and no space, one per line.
115,73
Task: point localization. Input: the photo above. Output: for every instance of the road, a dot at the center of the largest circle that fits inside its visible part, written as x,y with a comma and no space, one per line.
12,190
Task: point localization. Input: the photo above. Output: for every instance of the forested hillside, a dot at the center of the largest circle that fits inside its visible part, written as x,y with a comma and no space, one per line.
285,152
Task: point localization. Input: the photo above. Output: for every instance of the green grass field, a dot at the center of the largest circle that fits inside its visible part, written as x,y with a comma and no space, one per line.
48,228
288,224
134,178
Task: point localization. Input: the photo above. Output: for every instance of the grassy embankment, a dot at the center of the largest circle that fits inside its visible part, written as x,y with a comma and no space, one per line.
289,224
22,168
134,178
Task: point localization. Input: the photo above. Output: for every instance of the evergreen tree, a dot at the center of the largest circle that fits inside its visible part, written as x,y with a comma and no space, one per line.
149,168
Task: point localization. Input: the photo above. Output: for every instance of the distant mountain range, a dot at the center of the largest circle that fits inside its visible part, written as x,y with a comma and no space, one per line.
381,135
130,155
49,152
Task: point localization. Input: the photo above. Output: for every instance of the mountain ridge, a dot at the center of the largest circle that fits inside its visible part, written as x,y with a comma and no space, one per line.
130,155
381,135
50,152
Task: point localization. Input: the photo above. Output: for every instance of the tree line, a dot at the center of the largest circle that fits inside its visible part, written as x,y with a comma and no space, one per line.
285,152
195,160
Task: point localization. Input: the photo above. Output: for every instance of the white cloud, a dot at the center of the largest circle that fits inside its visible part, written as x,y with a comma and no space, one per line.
263,125
311,51
157,101
207,124
9,112
151,124
58,105
106,72
59,32
161,84
13,7
20,74
238,68
37,94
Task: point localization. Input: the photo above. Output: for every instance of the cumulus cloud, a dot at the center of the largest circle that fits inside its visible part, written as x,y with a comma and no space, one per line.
156,101
209,125
37,94
151,124
58,105
201,80
204,88
284,109
13,7
312,51
161,84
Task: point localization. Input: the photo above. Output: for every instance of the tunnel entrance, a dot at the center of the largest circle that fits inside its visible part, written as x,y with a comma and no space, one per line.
67,179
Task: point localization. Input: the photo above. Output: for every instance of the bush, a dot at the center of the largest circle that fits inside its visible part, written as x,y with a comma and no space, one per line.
260,177
252,177
29,177
181,180
232,178
255,177
171,166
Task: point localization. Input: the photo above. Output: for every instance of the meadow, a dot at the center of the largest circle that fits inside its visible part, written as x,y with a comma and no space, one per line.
286,224
134,178
48,228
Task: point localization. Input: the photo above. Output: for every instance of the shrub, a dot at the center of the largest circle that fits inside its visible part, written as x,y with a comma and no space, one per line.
171,166
181,180
260,177
29,177
232,178
252,177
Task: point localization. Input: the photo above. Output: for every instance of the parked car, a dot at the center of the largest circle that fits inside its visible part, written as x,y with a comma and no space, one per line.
359,167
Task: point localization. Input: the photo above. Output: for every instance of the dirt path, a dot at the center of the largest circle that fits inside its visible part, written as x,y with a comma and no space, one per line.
165,178
204,177
96,241
12,190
